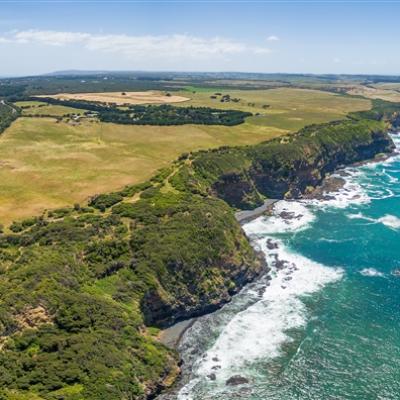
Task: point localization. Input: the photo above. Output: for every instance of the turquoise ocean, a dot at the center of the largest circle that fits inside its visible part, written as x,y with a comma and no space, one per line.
327,325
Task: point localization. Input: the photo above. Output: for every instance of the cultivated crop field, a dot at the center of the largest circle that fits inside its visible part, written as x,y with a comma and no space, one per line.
48,164
121,98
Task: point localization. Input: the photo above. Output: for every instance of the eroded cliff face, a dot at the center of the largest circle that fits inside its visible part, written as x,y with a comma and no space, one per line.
213,264
204,272
295,180
274,175
164,311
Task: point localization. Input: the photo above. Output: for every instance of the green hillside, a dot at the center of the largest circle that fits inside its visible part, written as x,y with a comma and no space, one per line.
83,289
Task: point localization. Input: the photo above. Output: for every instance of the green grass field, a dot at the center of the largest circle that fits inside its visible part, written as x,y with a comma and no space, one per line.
46,164
38,108
32,103
289,109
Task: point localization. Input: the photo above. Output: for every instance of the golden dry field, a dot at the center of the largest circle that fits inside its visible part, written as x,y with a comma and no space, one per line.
121,98
382,91
45,164
48,164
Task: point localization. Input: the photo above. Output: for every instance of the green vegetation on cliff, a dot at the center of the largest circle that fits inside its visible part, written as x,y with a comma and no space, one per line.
76,291
381,111
81,287
8,114
285,167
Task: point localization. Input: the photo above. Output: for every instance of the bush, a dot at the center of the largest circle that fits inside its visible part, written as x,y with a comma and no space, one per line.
104,201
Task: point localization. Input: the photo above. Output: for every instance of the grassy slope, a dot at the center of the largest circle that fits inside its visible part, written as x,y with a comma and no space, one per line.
387,93
76,290
290,109
39,108
57,163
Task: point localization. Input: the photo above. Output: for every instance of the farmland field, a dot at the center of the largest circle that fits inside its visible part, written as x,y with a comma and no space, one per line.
388,86
46,164
283,108
382,92
120,98
37,108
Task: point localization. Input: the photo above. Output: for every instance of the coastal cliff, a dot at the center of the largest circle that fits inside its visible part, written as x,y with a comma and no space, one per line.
288,168
83,290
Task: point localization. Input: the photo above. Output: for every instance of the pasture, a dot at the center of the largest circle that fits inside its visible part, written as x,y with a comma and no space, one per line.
283,108
48,164
121,98
381,91
38,108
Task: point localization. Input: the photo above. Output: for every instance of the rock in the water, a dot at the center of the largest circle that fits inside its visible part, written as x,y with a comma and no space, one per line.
236,380
287,215
271,245
280,264
212,377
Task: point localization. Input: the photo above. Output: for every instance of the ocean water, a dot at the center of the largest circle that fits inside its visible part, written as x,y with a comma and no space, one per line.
327,325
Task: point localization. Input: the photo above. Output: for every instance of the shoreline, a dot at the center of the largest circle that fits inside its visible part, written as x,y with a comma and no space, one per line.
247,215
172,335
331,184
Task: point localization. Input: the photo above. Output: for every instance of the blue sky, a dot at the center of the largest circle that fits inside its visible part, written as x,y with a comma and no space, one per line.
255,36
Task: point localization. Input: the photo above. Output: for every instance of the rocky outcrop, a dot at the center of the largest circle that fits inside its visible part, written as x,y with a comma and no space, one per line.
280,171
163,310
236,380
295,180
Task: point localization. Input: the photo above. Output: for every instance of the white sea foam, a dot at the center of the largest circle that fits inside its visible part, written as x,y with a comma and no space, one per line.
391,221
360,216
371,272
391,178
261,330
329,240
352,192
361,184
289,216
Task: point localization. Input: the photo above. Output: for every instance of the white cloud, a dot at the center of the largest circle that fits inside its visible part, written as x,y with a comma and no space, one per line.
337,60
272,38
169,46
50,38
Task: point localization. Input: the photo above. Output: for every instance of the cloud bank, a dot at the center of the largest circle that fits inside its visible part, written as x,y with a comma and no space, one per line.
169,46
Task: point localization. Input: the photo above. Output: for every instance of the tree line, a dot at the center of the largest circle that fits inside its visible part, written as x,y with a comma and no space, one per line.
8,114
156,114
